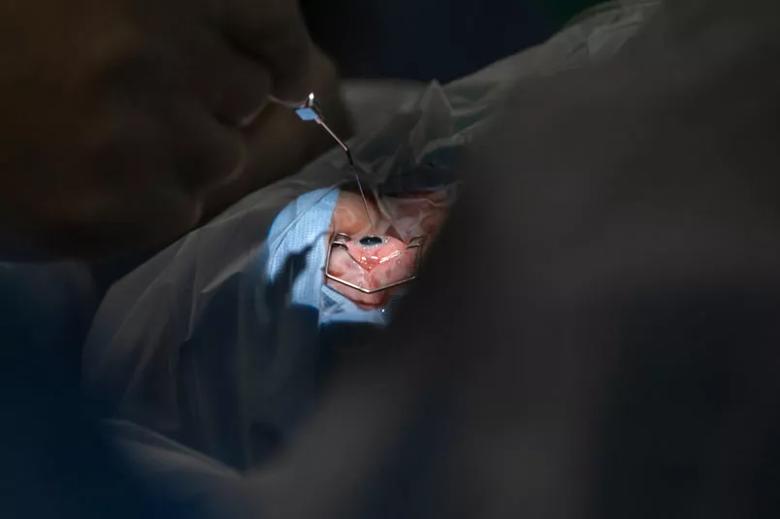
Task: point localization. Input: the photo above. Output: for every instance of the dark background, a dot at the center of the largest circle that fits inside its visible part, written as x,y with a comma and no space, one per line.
431,39
49,448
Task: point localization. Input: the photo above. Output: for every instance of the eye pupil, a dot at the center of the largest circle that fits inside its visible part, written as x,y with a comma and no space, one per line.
369,241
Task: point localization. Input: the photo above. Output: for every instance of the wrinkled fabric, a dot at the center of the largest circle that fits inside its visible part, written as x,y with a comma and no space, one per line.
215,342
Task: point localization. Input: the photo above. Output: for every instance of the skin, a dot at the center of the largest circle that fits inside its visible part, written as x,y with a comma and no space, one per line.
127,122
397,222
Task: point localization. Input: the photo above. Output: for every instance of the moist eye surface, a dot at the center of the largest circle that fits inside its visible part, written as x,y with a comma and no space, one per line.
371,241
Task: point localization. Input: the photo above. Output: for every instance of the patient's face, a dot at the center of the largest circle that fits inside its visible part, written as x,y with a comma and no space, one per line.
388,252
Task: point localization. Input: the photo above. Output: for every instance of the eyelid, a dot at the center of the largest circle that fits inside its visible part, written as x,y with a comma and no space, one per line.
340,240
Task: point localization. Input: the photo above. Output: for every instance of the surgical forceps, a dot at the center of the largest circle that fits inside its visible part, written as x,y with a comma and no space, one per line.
309,110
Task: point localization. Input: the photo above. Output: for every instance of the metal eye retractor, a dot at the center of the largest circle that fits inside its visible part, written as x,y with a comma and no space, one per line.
341,239
308,110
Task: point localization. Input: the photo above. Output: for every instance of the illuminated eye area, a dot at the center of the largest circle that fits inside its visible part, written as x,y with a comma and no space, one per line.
367,271
375,250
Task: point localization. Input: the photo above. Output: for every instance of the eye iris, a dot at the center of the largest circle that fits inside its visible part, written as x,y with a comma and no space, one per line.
370,241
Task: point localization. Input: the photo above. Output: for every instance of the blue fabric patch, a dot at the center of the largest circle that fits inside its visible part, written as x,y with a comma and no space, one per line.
307,114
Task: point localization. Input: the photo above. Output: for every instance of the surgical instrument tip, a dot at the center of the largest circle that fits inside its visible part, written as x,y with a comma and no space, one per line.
309,110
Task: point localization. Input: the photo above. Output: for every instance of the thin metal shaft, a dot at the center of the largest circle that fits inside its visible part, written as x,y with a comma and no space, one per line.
309,110
353,166
362,194
336,138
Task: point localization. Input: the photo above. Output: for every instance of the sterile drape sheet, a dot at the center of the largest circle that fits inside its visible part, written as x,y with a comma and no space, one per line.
204,357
